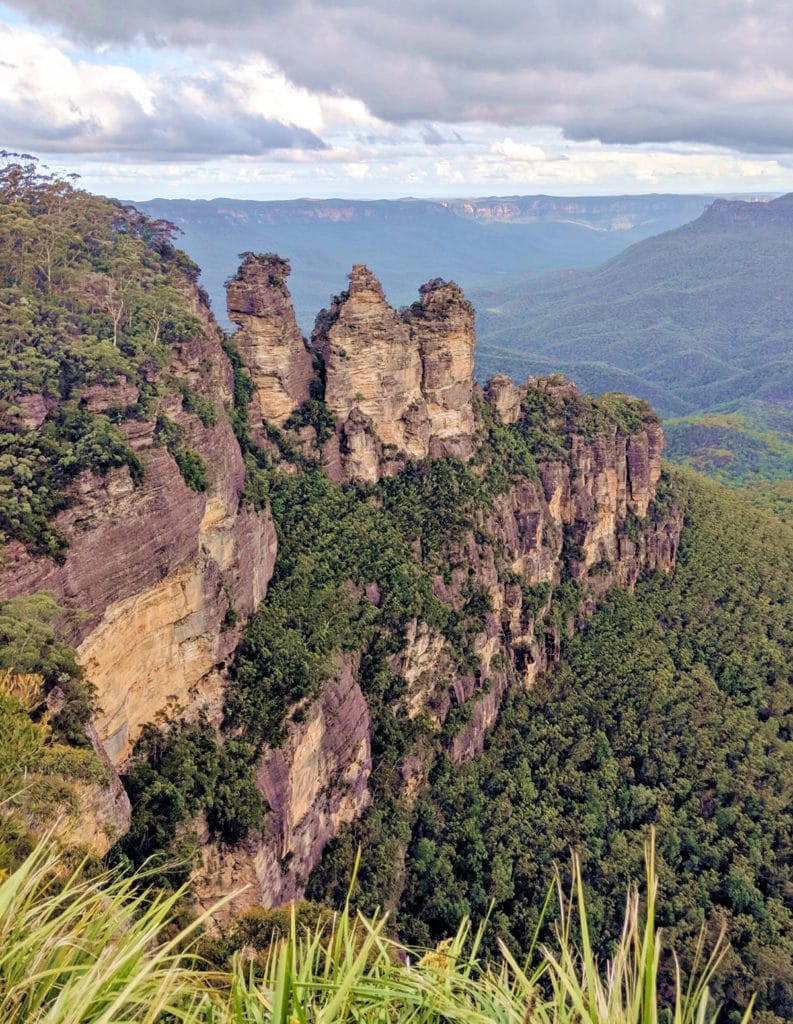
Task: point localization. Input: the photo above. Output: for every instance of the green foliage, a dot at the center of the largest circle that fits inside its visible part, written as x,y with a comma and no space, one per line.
92,950
193,469
672,708
596,417
431,501
542,424
37,467
91,292
731,448
37,772
313,413
776,497
191,466
199,406
31,643
506,451
177,770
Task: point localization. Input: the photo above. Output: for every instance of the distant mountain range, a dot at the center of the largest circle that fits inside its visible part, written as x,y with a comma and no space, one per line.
485,243
692,309
690,320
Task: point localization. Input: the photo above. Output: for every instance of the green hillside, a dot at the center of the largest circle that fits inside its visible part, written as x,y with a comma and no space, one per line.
672,707
697,319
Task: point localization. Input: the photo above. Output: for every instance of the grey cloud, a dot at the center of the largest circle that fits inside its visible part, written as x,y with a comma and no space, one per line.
173,128
623,71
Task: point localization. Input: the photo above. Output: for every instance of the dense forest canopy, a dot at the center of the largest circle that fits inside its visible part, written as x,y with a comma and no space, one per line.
672,706
90,292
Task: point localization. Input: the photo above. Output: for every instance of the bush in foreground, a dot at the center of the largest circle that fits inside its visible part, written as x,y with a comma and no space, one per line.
90,951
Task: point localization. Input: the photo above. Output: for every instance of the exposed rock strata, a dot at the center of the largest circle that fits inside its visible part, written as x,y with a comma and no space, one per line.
442,325
268,338
315,783
504,396
153,568
398,386
156,567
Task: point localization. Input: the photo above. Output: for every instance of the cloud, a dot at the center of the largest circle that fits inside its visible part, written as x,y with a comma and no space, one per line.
716,72
58,104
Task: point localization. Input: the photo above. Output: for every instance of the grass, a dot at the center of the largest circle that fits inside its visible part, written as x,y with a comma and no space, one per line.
78,950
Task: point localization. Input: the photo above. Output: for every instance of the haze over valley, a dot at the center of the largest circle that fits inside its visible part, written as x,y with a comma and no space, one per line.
396,512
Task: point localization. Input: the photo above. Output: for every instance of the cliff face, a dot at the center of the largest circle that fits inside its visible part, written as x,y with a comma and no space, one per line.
153,567
165,576
398,386
314,784
268,338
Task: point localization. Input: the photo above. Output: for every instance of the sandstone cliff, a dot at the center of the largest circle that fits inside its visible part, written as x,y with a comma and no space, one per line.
268,338
165,575
314,784
398,386
154,567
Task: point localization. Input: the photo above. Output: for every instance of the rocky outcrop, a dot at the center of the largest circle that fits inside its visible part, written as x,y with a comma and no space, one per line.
313,784
268,338
372,372
399,386
164,576
442,326
154,567
586,519
504,397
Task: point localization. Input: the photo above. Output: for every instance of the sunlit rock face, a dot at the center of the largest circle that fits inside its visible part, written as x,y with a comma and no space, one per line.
268,338
314,784
405,381
153,567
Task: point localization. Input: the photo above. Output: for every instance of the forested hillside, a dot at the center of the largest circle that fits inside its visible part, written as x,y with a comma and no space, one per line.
702,313
673,707
266,602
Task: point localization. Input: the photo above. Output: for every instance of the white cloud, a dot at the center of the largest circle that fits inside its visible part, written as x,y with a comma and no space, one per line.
187,123
55,101
524,152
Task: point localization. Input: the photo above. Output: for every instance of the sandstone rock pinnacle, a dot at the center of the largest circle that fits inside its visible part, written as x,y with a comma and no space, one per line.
406,379
268,338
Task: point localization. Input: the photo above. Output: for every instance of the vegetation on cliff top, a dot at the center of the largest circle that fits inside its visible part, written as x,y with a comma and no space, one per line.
91,293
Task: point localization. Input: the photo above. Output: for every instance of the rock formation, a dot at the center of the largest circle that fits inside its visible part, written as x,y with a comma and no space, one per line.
399,387
442,325
314,784
504,396
268,338
154,567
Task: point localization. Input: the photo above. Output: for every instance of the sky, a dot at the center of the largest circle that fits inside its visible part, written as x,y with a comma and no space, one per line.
274,99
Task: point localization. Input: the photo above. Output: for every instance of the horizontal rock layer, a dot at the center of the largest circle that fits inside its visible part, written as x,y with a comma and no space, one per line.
153,568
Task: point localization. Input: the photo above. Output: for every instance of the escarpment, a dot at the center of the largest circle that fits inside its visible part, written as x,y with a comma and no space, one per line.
162,575
437,543
556,505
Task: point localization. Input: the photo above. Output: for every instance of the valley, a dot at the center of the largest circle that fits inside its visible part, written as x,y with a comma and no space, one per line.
277,612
